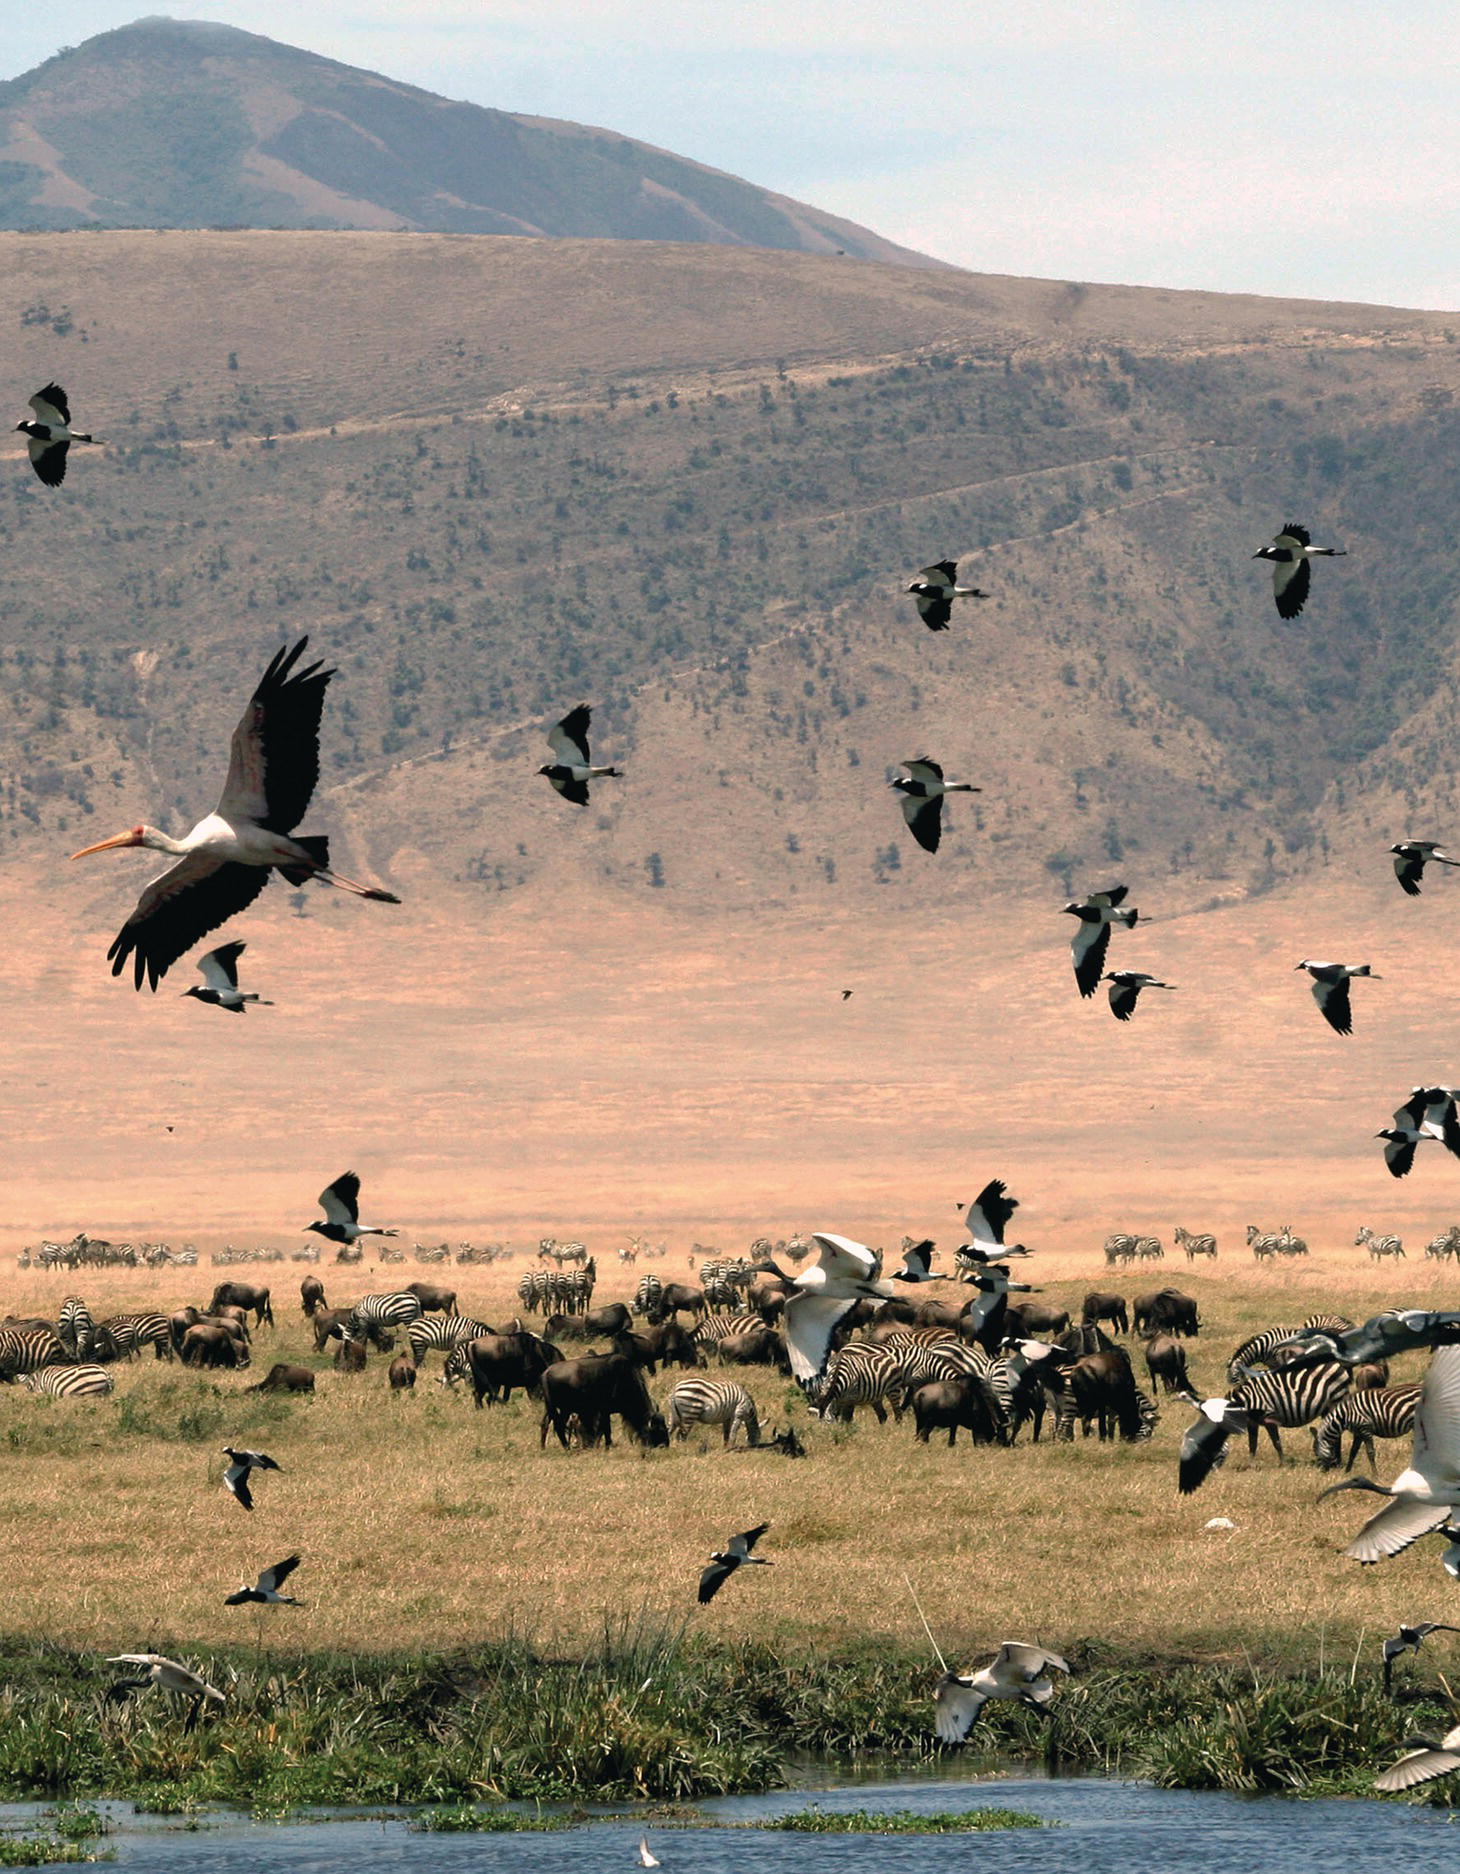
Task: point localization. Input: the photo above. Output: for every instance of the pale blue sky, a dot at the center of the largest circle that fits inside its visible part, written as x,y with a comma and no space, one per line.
1301,149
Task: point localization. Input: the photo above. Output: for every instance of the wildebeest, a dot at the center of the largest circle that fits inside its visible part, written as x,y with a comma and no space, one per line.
281,1377
591,1389
947,1404
246,1295
761,1346
666,1343
1100,1388
1166,1362
1104,1305
496,1363
329,1324
402,1373
612,1318
1029,1319
210,1344
311,1295
679,1295
350,1355
1165,1309
433,1298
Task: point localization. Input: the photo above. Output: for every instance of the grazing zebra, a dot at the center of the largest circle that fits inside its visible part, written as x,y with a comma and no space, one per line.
1258,1348
75,1326
1194,1246
723,1277
1288,1398
936,1353
1378,1246
125,1335
1376,1412
859,1374
713,1328
1148,1249
444,1331
25,1349
1120,1249
1446,1244
70,1382
648,1295
373,1316
711,1402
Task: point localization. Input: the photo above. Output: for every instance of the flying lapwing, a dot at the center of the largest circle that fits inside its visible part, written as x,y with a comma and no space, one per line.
1091,941
220,981
49,434
724,1562
572,768
1330,990
934,590
1291,554
922,790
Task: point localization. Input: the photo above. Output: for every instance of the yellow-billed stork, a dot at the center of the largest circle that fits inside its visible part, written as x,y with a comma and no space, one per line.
224,863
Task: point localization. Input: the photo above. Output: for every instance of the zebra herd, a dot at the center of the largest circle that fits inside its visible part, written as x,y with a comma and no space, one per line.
559,1291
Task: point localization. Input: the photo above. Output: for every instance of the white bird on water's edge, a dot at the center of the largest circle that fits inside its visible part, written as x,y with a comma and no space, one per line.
165,1675
1422,1497
1018,1671
646,1858
224,862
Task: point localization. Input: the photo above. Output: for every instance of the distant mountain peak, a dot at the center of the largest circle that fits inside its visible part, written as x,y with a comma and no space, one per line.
174,123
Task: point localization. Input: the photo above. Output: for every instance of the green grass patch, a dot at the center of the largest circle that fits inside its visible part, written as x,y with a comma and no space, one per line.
467,1819
901,1821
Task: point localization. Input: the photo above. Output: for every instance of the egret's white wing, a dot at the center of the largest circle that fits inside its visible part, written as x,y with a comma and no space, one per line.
1017,1659
843,1259
1395,1527
1422,1766
1437,1420
955,1706
810,1321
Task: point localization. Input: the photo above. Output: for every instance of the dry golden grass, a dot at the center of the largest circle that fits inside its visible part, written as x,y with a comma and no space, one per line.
424,1523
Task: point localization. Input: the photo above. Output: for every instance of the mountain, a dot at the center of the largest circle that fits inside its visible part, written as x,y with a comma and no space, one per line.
186,124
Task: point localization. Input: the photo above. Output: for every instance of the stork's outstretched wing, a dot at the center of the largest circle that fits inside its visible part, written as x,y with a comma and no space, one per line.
181,905
274,765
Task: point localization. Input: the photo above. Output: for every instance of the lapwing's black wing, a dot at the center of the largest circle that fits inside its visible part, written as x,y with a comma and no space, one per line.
48,459
569,786
50,407
1290,582
1334,1005
272,1579
340,1201
1123,999
924,819
568,739
1089,948
1409,869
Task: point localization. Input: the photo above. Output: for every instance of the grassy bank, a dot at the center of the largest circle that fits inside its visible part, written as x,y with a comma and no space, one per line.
650,1714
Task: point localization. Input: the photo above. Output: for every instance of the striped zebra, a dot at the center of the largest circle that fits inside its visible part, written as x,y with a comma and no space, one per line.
26,1349
713,1328
571,1290
1258,1349
373,1316
1264,1244
1286,1399
444,1331
1203,1245
936,1353
70,1382
723,1277
75,1327
1148,1249
1375,1412
532,1291
648,1295
859,1374
125,1335
1446,1244
1378,1246
719,1402
1119,1249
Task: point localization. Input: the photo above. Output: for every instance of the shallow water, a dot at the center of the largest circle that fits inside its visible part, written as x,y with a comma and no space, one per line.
1104,1828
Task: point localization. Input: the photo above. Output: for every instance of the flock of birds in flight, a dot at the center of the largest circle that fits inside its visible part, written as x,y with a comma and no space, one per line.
220,867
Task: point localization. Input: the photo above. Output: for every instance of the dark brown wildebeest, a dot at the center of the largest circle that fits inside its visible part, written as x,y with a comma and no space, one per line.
433,1298
311,1295
498,1362
670,1344
233,1317
1166,1309
350,1355
612,1318
402,1373
246,1295
591,1389
1166,1362
1103,1305
1028,1320
677,1296
1088,1338
760,1346
329,1324
1101,1388
947,1404
208,1343
765,1295
281,1377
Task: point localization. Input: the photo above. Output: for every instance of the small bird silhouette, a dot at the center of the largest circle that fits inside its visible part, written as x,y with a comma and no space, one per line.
235,1478
724,1562
266,1589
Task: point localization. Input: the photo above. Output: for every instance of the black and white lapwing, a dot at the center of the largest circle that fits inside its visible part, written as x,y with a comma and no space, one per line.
1381,1337
934,590
1428,1113
1411,856
1330,990
922,790
241,1463
340,1203
1291,553
917,1263
1018,1671
1204,1445
49,434
572,768
266,1589
1091,941
220,981
165,1675
1409,1640
986,1220
724,1562
1125,991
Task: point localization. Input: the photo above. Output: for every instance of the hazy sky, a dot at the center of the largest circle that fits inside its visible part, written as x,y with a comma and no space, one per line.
1299,148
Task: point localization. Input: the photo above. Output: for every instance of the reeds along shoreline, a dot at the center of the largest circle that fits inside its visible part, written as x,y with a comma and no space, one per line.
647,1714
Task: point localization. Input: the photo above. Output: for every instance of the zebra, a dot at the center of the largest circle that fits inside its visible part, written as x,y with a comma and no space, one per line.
1288,1398
75,1327
1194,1246
719,1402
445,1331
70,1382
1264,1244
723,1277
859,1374
1290,1245
1376,1412
1378,1246
373,1315
25,1349
1259,1348
1119,1249
936,1353
1148,1249
125,1335
1446,1244
532,1291
713,1328
648,1295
